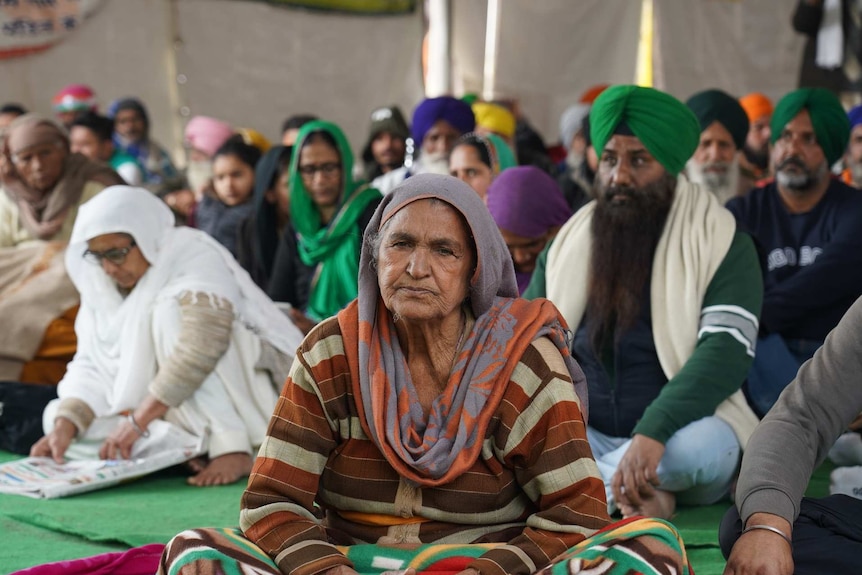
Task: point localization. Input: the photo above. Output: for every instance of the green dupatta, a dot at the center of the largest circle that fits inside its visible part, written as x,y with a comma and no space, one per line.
504,154
333,248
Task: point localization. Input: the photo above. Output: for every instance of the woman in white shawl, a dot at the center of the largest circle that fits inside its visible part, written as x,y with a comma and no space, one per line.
170,327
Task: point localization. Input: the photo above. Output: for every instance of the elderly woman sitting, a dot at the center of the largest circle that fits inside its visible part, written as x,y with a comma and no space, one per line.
169,327
437,408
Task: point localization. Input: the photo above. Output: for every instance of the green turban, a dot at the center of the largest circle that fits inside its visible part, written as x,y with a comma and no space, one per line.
716,106
828,117
662,123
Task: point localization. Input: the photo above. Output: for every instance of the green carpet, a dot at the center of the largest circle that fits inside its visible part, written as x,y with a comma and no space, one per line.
153,509
150,510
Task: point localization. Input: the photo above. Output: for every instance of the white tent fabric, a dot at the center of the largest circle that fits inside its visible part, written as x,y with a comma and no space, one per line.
249,63
119,51
740,46
253,64
549,52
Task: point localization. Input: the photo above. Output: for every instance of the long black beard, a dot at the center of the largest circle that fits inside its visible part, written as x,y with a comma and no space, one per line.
625,236
758,158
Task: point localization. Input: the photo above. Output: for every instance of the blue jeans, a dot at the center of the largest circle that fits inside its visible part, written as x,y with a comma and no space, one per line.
699,462
775,365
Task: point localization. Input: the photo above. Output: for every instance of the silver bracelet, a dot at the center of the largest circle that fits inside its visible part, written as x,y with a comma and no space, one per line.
775,530
141,431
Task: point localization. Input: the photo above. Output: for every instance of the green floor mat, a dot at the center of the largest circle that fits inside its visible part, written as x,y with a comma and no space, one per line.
150,510
153,509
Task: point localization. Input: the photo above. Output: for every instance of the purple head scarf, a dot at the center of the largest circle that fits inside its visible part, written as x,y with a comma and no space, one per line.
453,110
527,202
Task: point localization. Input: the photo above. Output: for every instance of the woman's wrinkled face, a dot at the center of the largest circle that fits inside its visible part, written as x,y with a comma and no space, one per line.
120,258
464,164
41,166
424,262
233,180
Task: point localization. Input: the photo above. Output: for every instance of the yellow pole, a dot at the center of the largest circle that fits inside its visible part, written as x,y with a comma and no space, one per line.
643,72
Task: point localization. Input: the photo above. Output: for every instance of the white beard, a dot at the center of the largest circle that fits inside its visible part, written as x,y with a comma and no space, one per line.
855,172
199,175
575,160
723,186
432,164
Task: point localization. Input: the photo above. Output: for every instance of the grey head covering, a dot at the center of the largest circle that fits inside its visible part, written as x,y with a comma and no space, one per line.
494,275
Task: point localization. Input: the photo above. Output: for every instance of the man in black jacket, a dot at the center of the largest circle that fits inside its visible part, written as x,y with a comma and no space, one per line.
832,58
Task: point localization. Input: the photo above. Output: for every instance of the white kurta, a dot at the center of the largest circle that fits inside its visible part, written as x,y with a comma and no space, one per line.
123,341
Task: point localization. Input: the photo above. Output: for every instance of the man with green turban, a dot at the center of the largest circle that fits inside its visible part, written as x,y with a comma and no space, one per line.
808,225
663,294
724,129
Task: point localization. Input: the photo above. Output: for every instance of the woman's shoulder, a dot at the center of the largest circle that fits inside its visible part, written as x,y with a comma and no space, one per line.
323,342
542,380
324,360
541,361
7,204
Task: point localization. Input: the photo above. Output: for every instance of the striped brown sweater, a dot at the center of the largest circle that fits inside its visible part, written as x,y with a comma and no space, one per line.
535,487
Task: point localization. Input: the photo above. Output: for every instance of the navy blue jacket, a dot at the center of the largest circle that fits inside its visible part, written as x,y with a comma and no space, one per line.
812,261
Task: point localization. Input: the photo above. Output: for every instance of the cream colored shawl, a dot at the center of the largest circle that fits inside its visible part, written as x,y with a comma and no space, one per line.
34,291
695,240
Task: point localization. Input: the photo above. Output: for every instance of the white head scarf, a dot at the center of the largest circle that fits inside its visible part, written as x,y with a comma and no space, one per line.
115,360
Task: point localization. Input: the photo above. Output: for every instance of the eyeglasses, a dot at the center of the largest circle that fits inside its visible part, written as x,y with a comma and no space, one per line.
116,256
327,170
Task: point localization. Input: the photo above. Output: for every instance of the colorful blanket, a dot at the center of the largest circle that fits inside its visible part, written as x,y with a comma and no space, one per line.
636,545
624,548
138,561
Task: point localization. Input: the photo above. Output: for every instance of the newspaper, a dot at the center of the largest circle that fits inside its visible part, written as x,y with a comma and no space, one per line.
43,478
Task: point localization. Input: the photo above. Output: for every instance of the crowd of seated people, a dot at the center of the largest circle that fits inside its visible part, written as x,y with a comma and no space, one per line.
516,351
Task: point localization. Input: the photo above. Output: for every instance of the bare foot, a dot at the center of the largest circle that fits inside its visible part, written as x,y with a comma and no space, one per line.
196,465
661,505
223,470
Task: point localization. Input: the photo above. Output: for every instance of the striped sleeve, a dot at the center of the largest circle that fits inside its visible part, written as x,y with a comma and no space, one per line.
724,349
545,442
734,320
277,510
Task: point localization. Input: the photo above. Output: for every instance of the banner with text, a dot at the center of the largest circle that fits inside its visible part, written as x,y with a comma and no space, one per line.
29,26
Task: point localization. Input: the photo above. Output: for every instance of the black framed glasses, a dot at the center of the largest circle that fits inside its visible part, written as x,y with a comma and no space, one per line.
116,256
328,170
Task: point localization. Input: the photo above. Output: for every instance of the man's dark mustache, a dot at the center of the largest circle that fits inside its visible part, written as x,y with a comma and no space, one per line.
626,191
792,161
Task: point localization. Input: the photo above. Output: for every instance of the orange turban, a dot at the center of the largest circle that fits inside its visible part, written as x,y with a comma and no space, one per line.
592,93
756,105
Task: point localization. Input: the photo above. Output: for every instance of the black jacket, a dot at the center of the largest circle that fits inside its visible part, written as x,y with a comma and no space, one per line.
806,20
